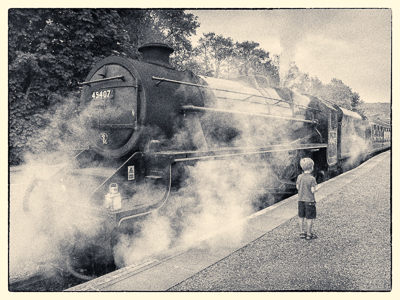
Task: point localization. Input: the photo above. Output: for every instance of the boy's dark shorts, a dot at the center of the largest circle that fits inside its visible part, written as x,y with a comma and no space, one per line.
307,210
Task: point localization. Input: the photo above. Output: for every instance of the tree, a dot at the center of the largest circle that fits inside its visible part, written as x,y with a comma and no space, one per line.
339,93
220,56
336,91
214,52
357,104
300,81
250,59
50,50
173,27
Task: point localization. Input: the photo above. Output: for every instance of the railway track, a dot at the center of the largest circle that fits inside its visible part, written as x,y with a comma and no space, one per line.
43,283
61,279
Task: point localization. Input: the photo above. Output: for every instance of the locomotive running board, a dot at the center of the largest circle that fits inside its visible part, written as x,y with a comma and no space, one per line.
182,156
206,155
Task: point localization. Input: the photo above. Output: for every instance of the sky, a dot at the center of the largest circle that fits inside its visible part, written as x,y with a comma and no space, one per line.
353,45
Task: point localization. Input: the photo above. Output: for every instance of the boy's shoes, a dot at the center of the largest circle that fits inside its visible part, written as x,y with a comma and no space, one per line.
311,236
303,235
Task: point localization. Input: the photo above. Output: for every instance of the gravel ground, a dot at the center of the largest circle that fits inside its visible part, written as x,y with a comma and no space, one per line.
352,252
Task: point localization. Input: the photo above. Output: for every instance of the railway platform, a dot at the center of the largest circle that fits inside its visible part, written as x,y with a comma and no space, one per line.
352,252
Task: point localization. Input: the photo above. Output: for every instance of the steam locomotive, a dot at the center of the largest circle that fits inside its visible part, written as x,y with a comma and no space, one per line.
146,121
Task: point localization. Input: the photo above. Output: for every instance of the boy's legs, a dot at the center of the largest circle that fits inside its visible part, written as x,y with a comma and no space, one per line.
309,223
311,214
302,215
301,225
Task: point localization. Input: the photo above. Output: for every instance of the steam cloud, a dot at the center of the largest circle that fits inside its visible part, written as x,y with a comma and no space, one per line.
58,213
354,144
216,194
213,194
296,26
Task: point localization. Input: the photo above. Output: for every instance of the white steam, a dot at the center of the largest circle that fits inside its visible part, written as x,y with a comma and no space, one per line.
296,25
54,214
155,237
215,195
58,212
354,145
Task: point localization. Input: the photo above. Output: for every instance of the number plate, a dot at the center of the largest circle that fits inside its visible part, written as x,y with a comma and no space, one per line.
103,94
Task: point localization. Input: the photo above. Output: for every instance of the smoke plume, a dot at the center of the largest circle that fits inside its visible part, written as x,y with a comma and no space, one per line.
50,208
296,26
211,196
214,195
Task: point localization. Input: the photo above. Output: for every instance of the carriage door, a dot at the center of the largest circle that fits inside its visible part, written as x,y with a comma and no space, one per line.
331,152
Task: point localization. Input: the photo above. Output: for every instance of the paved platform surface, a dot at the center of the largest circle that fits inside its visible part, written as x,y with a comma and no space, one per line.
352,252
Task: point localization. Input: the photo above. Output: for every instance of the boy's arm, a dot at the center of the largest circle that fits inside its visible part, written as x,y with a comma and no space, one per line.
315,186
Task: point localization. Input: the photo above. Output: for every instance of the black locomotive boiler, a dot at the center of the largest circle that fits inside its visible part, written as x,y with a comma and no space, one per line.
143,118
144,121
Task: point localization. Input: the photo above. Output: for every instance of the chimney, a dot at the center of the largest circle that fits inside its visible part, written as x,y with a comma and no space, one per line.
157,53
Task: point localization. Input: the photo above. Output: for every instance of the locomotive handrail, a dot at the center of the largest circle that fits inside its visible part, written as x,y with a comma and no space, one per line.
258,151
152,208
199,108
102,80
161,79
115,172
257,102
178,156
234,149
117,126
81,151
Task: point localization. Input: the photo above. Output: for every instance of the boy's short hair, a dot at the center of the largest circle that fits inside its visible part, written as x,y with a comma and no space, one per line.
307,164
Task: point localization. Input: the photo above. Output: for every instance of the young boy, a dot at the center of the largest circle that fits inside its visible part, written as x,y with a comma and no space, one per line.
307,186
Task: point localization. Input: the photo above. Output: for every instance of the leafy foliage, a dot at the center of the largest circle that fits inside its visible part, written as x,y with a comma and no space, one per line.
378,112
50,50
214,52
220,56
335,91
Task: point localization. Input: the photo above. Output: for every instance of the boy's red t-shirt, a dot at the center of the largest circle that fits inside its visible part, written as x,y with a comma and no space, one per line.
305,181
